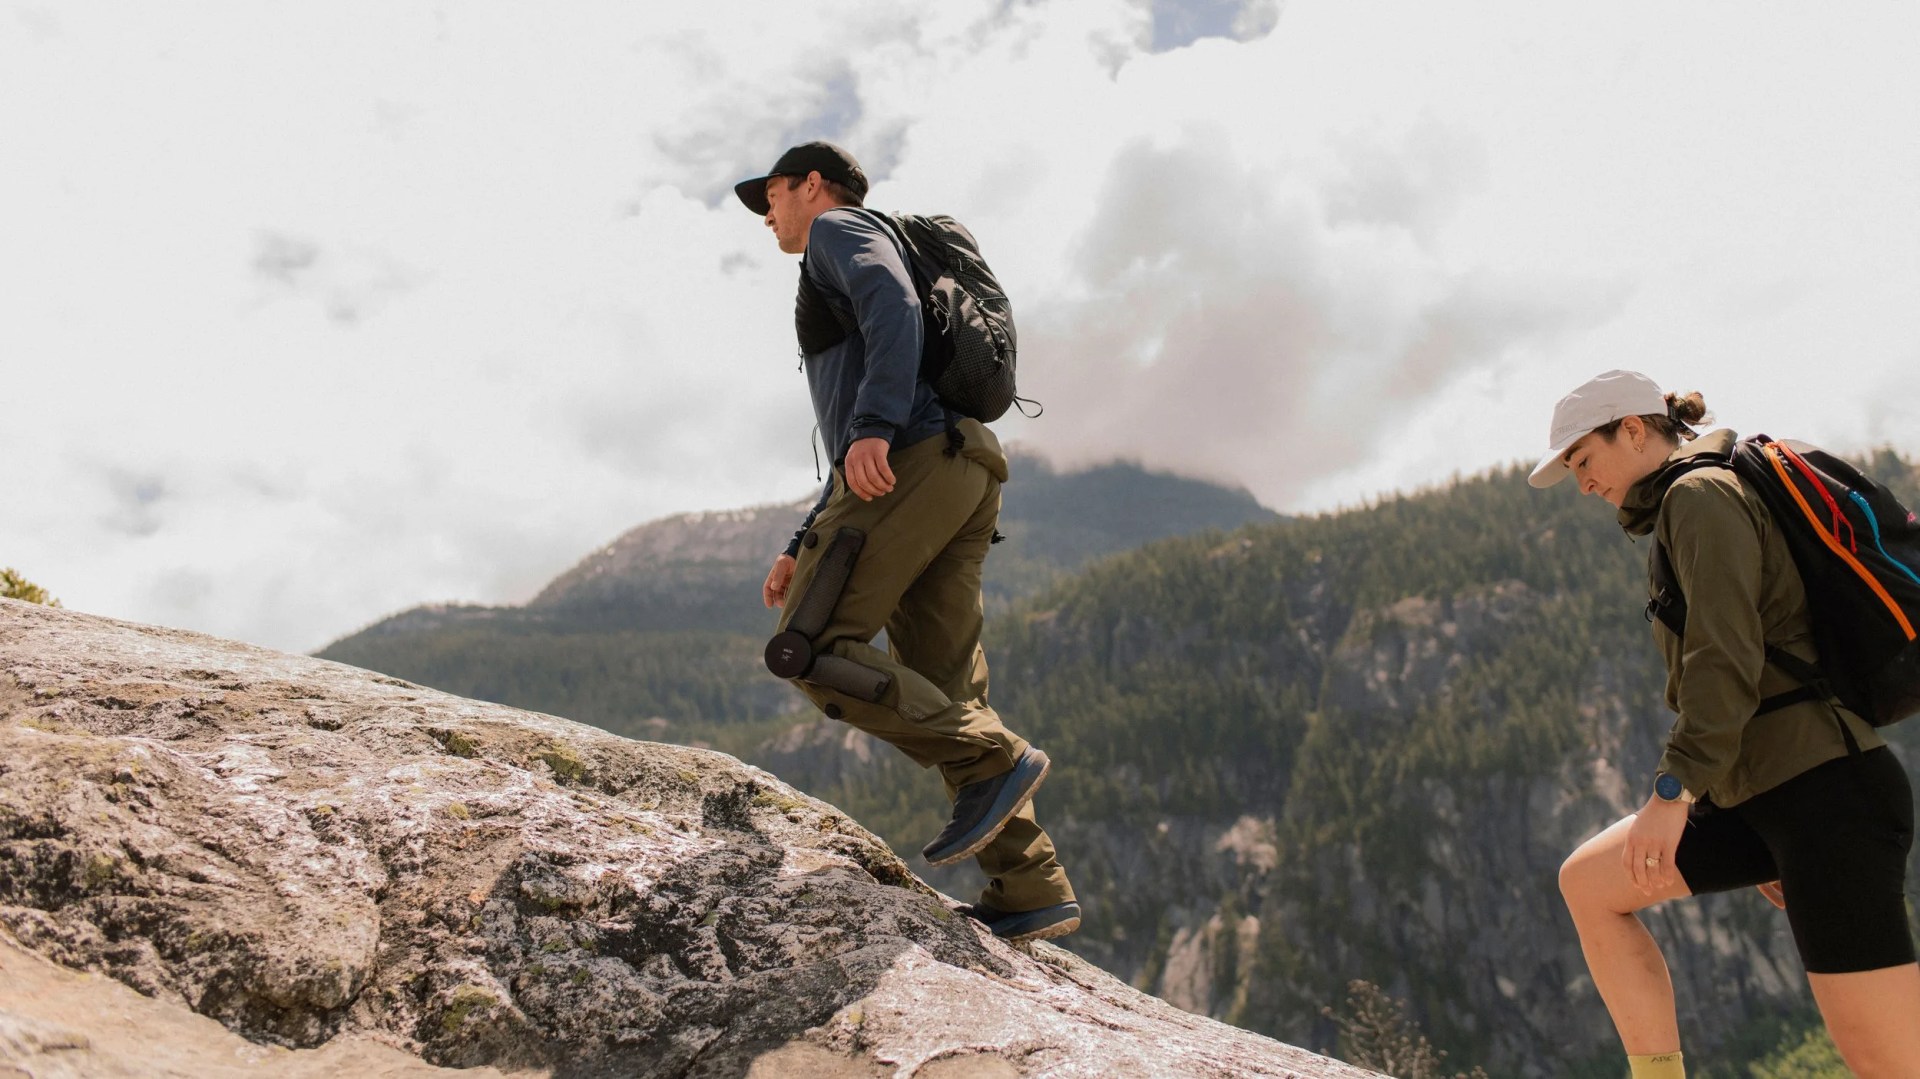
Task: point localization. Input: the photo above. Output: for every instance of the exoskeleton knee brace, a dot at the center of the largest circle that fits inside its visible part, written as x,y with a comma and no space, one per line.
791,653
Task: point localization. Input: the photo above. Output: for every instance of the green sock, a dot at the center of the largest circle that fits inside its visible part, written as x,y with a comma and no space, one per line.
1658,1066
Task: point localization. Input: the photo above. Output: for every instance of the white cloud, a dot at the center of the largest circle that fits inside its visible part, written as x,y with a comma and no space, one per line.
322,312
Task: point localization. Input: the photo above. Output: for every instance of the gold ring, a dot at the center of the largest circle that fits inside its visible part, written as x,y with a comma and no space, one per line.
1651,860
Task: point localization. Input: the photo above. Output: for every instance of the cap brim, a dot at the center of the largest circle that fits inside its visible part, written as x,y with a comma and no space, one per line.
1553,467
1549,471
754,193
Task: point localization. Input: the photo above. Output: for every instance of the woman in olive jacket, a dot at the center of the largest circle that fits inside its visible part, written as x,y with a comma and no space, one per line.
1805,801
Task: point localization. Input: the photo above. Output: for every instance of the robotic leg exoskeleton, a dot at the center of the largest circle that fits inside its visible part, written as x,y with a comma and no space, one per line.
791,652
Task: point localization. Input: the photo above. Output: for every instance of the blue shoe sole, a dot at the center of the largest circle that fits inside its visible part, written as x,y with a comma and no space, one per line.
1043,924
1028,773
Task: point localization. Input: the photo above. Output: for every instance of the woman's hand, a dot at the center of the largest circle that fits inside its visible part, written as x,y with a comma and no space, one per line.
1655,834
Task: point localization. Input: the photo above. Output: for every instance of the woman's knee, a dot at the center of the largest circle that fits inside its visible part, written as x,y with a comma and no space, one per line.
1577,880
1591,880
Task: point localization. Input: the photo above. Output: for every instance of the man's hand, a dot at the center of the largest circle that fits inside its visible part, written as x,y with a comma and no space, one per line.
867,473
1651,840
779,578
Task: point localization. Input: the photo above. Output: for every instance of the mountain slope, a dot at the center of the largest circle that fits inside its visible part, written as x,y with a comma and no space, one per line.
659,634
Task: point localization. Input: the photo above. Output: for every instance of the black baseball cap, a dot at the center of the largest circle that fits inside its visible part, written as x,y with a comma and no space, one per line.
830,161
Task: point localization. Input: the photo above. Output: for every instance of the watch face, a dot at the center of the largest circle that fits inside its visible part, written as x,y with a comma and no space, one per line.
1667,786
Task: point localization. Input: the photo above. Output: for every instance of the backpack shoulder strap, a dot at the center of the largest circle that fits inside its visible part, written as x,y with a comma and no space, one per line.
1666,602
818,322
813,309
890,224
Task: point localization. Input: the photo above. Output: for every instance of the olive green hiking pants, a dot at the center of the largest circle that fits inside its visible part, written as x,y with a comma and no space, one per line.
918,577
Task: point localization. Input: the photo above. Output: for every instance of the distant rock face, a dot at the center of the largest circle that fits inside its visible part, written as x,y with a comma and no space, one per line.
751,536
316,856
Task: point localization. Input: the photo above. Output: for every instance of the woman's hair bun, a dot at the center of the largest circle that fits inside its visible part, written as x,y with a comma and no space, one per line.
1687,408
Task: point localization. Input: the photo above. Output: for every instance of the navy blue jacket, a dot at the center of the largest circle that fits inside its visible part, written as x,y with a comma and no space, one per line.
869,385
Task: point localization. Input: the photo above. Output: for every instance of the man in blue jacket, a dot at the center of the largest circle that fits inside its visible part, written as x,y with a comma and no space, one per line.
897,542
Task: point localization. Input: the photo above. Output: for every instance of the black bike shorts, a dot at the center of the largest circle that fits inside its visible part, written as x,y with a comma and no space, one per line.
1836,838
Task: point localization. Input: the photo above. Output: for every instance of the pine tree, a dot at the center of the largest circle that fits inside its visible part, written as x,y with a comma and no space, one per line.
1376,1033
14,586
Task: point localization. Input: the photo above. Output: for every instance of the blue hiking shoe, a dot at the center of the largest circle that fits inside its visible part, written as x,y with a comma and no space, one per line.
1043,924
981,809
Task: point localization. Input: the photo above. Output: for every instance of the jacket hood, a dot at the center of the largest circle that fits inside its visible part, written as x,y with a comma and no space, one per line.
1641,508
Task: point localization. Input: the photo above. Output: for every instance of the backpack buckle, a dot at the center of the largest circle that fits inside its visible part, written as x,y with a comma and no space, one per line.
1658,602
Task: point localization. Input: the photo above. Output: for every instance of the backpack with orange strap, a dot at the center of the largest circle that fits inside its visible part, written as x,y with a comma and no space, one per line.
1858,552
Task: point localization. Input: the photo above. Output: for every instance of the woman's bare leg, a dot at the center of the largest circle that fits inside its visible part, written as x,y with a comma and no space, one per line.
1626,964
1874,1017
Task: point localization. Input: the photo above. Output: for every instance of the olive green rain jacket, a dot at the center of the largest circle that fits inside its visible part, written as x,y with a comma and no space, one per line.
1742,591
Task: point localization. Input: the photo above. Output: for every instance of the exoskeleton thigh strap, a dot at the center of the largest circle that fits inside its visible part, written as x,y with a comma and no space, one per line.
791,653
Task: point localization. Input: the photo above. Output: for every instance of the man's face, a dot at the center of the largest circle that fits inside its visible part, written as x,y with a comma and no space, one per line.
787,213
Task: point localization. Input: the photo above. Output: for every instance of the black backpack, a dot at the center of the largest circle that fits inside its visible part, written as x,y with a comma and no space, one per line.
1858,552
968,347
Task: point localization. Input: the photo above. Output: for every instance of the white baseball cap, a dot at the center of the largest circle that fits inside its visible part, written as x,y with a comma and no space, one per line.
1603,399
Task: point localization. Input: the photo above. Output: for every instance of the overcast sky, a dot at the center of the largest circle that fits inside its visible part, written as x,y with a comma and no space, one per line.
312,312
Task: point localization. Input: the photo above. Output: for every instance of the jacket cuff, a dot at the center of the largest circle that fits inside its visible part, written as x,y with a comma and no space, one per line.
1692,778
872,429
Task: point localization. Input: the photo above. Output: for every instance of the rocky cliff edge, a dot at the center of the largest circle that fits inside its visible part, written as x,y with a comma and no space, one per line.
346,871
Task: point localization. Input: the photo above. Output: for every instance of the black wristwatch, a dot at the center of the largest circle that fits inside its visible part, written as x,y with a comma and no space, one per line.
1668,788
